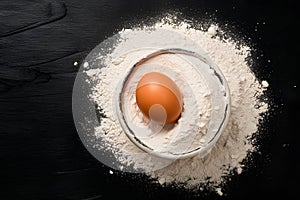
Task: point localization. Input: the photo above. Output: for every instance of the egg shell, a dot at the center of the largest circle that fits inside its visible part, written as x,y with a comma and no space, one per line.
157,89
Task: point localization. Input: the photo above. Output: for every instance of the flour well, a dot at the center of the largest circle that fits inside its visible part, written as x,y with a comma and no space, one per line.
233,145
184,135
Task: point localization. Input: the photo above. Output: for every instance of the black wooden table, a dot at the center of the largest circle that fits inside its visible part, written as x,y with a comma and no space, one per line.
41,155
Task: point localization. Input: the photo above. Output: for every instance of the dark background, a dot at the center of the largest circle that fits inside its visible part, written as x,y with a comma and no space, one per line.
41,155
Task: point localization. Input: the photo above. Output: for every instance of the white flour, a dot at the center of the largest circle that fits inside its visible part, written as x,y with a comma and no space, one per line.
184,136
233,145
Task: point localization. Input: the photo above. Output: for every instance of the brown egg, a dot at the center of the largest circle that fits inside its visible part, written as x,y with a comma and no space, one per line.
159,98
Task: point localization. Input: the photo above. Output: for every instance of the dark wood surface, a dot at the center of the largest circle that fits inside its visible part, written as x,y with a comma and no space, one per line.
41,155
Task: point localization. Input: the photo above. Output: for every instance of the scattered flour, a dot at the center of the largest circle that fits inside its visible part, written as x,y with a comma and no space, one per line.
232,147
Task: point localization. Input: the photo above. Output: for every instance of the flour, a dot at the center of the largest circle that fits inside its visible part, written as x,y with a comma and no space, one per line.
232,147
184,135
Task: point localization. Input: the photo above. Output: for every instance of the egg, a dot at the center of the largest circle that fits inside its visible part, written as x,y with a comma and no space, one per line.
159,98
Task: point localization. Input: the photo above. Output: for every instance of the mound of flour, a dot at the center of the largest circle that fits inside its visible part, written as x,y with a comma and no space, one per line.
246,110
